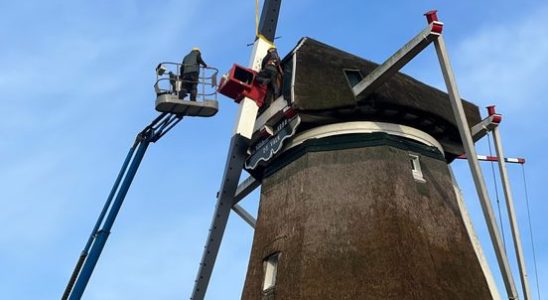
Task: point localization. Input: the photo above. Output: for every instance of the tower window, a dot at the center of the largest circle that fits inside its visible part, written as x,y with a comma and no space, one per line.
270,270
353,76
416,167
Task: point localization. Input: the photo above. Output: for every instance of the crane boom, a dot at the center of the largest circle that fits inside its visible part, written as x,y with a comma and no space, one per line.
99,235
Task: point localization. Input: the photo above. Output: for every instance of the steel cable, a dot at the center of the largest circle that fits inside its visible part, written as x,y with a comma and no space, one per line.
530,228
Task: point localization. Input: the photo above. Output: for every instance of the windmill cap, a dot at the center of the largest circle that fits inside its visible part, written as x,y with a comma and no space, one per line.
196,49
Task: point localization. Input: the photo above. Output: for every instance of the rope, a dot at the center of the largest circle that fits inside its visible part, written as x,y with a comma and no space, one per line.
256,17
496,191
530,227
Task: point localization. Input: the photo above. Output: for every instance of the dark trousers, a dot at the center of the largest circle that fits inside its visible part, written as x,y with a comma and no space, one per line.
269,76
190,84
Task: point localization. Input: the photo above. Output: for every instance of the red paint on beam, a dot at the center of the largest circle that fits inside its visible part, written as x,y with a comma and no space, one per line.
497,118
491,110
437,27
495,158
431,16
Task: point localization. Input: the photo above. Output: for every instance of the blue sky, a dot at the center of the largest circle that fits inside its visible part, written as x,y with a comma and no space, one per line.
76,83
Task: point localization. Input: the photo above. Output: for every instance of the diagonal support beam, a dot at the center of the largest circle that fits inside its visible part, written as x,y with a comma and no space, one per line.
484,126
466,136
248,218
245,188
399,59
511,213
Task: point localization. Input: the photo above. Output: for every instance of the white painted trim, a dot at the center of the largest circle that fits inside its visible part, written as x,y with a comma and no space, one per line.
300,45
293,75
274,110
474,239
365,127
270,271
246,118
416,170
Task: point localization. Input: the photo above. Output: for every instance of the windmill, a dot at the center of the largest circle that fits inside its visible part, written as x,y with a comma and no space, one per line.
358,200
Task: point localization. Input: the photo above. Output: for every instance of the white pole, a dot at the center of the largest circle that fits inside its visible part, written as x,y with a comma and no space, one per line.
466,136
511,214
474,239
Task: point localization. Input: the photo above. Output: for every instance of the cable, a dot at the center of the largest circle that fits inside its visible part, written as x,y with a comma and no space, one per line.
530,228
496,192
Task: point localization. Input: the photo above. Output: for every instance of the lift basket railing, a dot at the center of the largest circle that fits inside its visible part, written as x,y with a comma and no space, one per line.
170,81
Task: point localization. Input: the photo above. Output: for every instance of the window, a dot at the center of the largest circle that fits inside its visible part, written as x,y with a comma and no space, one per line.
353,76
270,270
416,167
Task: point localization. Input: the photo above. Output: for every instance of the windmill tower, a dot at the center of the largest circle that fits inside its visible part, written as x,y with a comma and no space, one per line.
358,200
360,203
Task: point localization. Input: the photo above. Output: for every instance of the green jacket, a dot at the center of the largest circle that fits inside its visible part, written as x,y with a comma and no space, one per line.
191,61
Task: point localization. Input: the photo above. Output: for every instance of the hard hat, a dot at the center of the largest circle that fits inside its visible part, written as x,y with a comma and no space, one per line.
196,49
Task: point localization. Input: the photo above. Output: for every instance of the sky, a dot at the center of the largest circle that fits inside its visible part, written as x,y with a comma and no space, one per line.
76,86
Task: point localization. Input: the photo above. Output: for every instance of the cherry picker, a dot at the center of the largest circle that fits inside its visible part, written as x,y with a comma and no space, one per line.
172,110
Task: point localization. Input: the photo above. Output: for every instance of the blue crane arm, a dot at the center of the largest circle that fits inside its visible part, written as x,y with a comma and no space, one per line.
99,235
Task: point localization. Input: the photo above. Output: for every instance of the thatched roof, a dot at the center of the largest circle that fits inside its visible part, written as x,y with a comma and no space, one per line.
322,95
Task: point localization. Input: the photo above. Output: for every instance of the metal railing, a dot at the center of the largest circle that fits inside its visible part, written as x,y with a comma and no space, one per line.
169,80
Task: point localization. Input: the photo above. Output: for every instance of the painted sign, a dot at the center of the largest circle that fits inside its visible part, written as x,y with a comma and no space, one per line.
267,148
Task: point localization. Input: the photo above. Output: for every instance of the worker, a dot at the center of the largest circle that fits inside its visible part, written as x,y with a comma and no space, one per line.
270,75
190,72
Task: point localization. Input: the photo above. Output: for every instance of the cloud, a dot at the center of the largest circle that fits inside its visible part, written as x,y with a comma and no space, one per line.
506,63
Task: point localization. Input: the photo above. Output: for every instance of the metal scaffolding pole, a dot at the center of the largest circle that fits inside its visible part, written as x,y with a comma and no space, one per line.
466,136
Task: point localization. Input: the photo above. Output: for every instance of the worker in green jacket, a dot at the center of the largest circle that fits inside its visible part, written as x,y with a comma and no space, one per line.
190,72
271,76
